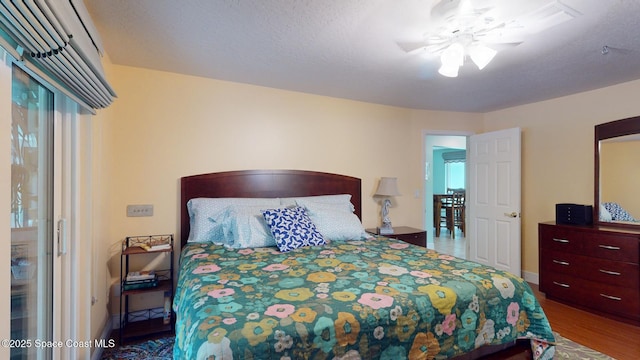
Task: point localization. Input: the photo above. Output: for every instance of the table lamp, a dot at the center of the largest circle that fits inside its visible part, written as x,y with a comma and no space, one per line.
387,187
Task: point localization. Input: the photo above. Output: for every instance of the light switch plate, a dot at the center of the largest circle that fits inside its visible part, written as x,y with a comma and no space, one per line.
139,210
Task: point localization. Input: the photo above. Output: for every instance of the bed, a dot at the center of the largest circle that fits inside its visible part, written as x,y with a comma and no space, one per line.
364,298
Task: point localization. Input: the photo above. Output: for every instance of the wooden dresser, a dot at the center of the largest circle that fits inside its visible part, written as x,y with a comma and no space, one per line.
591,267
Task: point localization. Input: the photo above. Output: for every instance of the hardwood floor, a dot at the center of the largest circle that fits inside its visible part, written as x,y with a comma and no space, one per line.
616,339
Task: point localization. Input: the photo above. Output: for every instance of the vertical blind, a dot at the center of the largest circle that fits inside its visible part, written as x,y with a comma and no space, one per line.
59,37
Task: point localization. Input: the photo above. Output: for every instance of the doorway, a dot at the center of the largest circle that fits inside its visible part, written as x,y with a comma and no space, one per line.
445,170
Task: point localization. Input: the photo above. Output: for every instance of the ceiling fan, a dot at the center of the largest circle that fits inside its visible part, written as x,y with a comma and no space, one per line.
478,28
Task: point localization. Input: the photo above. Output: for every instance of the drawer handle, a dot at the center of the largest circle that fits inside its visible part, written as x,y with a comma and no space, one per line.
610,272
560,240
611,297
563,285
561,262
609,247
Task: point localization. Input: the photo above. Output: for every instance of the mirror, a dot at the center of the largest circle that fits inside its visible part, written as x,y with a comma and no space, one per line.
617,170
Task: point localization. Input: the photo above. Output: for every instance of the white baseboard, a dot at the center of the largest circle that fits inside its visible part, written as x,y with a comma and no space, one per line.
531,277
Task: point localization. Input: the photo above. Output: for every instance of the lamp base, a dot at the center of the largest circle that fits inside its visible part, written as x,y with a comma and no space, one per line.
385,229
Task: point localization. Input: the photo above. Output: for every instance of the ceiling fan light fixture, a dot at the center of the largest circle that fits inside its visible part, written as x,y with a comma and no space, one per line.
453,55
481,55
452,58
449,70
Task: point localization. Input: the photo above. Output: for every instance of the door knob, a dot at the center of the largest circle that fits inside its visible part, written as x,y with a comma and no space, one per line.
513,214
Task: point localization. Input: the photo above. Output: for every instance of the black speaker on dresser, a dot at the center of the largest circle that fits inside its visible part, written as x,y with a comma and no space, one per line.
574,214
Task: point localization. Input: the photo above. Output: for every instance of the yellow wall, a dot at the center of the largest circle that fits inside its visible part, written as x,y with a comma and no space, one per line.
164,126
557,152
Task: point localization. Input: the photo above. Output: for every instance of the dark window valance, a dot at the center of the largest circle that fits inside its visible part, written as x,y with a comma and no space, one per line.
59,38
455,156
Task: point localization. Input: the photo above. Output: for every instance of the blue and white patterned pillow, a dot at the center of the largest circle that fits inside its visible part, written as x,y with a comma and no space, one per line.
618,213
292,228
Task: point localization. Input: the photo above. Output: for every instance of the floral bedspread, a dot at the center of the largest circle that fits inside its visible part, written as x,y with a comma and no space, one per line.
374,299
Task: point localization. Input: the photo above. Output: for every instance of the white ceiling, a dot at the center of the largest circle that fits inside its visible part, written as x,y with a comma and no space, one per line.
349,49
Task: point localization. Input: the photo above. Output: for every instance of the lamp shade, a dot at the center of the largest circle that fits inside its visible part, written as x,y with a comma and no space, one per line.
388,186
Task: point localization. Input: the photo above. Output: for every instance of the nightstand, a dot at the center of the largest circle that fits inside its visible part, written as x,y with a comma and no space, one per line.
150,320
407,234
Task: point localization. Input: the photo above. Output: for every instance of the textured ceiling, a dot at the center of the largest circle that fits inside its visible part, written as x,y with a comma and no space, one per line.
349,49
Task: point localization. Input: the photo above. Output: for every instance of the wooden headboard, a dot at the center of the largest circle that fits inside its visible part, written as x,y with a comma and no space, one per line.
265,184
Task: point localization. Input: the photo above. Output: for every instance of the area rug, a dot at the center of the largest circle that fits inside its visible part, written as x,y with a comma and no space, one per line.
162,349
156,349
567,349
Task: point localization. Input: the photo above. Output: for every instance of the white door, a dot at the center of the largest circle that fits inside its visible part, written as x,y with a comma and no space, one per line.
494,199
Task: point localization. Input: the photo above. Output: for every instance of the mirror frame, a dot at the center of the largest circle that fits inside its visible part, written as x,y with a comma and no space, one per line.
613,129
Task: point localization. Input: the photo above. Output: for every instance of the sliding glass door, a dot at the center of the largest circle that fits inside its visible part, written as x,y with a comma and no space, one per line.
32,216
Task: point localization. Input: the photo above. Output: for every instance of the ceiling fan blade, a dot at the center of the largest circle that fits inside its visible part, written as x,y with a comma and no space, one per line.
436,48
411,46
503,46
501,34
501,39
432,43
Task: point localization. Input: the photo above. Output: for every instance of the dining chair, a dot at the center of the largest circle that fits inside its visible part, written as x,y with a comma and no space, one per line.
455,213
459,212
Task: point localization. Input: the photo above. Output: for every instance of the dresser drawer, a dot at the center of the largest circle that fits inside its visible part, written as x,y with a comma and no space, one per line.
598,270
601,244
602,297
611,246
561,239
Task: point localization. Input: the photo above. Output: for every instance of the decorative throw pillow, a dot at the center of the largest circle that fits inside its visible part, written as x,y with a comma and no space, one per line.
605,215
618,213
292,228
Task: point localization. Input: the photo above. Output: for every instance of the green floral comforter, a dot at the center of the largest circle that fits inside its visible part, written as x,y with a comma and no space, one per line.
374,299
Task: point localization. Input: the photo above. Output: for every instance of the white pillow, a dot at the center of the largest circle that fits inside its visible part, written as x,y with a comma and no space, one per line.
206,216
244,227
334,221
605,215
323,199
